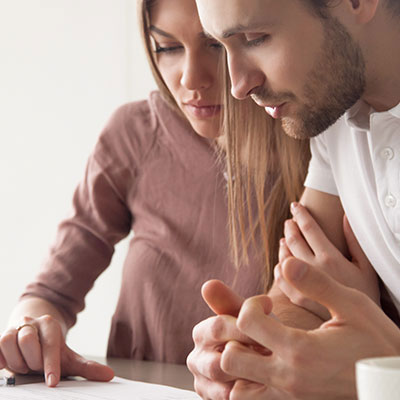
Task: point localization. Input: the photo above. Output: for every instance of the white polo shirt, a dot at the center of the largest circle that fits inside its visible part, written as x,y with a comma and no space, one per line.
358,159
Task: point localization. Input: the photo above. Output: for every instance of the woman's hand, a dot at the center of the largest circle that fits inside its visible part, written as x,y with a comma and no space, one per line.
38,346
305,240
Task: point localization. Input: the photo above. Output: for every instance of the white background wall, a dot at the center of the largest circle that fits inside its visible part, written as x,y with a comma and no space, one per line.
65,65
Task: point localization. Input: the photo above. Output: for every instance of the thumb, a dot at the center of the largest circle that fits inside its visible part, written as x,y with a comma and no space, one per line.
316,285
221,299
75,365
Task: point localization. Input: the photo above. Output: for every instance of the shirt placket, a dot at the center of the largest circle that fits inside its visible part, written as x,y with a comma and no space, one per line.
385,146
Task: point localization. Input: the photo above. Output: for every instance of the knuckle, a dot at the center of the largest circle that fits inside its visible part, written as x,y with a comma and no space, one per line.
214,371
306,225
358,299
246,317
228,360
196,334
48,322
299,352
298,299
47,319
8,338
325,258
27,337
225,393
198,388
27,320
293,386
277,275
291,240
217,328
201,331
190,362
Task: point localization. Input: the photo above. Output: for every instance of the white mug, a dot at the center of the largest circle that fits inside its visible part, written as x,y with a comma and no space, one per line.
378,378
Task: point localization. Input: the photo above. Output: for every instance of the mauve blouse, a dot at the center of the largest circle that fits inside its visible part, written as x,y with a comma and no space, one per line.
152,174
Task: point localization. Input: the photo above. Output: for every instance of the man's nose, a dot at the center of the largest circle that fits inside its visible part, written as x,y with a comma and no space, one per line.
245,77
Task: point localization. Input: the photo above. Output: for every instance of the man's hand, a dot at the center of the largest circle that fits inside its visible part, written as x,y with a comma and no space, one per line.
308,365
210,337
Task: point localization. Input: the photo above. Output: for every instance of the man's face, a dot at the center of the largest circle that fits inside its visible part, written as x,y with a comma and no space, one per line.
302,68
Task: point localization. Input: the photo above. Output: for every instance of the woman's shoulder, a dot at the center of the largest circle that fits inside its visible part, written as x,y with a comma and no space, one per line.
135,117
131,130
143,119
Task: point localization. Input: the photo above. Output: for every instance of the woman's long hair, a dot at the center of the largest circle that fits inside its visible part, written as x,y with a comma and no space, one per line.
266,168
143,12
264,164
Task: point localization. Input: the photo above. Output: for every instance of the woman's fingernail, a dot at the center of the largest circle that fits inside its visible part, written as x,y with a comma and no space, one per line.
282,242
293,207
51,380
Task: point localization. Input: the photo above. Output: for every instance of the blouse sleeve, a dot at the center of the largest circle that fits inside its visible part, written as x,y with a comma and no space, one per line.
100,217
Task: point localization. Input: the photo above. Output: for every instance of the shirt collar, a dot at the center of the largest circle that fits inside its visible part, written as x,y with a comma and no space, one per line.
358,116
395,111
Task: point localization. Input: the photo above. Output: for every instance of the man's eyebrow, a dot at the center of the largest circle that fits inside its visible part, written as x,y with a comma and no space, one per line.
256,27
160,32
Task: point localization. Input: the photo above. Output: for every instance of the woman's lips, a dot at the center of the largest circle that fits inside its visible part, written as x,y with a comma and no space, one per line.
203,111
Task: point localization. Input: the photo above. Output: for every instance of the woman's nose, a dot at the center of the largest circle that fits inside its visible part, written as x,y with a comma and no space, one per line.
197,73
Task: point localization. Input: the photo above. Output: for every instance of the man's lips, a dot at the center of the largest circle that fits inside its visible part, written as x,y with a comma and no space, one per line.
275,111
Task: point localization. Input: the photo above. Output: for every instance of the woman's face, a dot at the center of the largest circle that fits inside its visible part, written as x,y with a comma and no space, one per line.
188,62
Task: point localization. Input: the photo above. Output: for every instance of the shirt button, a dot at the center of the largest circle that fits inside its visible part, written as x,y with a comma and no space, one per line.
387,153
390,201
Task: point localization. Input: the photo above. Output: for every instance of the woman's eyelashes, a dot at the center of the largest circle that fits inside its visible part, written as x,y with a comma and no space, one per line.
174,48
167,48
214,44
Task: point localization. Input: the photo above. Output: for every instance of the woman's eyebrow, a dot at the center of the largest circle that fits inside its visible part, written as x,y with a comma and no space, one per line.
160,32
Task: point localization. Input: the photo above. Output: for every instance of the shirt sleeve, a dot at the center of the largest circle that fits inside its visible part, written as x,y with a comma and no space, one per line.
100,217
320,176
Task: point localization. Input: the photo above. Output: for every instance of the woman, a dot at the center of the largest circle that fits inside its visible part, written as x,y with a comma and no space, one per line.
154,170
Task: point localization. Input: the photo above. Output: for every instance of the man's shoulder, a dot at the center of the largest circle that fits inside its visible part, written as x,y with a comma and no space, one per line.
339,127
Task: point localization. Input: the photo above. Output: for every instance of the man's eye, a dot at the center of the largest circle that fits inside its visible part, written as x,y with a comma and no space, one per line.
255,39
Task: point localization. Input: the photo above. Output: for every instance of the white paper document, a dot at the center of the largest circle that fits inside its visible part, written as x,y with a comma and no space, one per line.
117,389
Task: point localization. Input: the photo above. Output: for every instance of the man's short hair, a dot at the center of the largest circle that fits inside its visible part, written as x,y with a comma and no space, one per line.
321,6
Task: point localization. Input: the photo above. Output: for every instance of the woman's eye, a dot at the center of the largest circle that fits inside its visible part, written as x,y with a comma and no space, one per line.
167,49
255,39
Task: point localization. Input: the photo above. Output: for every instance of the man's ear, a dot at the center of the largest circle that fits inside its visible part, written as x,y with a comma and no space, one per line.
362,11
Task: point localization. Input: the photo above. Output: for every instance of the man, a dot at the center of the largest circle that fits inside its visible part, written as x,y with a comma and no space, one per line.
329,70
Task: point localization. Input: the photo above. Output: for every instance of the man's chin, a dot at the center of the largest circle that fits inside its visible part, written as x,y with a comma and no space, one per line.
294,128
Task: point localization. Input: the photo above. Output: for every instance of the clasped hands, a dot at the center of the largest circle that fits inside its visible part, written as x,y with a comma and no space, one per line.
244,352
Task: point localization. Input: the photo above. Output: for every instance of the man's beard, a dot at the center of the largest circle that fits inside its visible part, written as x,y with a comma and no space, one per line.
334,85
